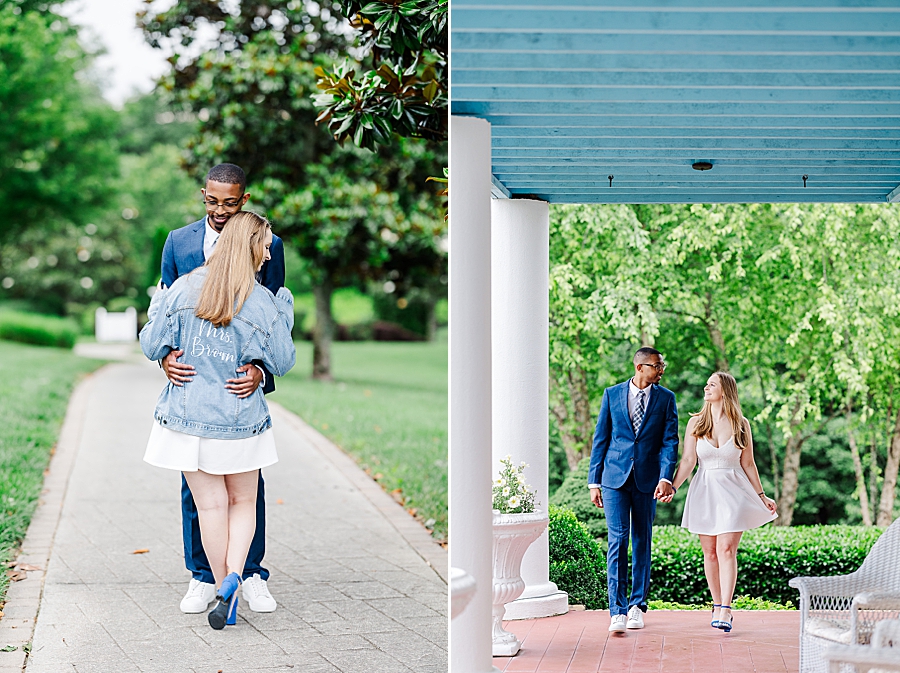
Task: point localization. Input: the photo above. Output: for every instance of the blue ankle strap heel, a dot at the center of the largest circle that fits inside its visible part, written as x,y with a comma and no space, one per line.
725,624
225,612
715,622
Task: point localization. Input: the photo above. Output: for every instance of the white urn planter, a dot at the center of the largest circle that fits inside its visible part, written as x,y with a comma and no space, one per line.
513,534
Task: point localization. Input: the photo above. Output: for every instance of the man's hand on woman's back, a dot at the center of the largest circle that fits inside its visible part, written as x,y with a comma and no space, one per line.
177,372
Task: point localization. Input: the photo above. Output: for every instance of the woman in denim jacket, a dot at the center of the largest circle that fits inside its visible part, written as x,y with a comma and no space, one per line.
222,319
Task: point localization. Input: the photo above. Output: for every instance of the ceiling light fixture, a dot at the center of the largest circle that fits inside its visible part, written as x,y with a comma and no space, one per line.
701,165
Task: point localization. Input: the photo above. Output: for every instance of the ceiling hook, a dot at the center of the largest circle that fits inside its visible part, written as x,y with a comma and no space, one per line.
610,178
805,178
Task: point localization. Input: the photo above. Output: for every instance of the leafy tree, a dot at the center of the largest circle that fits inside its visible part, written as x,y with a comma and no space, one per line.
360,220
798,302
58,158
402,87
349,213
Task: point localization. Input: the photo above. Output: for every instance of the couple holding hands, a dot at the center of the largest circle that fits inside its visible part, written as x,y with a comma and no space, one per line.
633,465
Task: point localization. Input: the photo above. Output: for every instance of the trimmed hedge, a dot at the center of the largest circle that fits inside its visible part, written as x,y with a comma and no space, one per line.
768,558
577,564
40,330
737,603
573,494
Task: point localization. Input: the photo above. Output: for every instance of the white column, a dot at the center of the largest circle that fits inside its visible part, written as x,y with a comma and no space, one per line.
470,387
520,254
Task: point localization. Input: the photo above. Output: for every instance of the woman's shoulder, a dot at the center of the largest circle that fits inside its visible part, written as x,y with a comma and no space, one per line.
185,286
262,300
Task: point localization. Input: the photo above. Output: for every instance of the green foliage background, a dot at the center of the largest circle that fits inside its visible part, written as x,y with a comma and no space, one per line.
798,302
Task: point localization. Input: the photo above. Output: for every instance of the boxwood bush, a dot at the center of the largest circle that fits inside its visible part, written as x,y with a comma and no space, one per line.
573,494
577,564
40,330
768,558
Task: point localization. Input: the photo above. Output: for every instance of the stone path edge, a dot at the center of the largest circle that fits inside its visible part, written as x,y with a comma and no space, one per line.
23,599
415,535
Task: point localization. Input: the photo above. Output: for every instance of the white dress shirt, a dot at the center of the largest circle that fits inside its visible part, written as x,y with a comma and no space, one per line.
633,391
210,236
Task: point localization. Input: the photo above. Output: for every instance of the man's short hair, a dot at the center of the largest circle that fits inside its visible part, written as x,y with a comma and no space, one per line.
644,353
228,174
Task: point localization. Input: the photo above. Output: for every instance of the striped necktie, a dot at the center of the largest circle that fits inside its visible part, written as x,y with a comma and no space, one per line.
637,417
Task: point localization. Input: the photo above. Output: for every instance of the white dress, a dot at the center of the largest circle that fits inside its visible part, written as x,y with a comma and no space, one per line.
720,498
188,453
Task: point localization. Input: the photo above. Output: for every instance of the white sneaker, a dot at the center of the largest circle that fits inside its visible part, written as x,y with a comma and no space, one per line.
635,618
198,597
256,593
617,624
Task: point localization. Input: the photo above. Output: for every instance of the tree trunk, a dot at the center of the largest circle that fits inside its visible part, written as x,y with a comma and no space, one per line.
889,485
773,456
323,334
575,424
770,436
790,480
431,320
584,421
873,471
715,335
858,469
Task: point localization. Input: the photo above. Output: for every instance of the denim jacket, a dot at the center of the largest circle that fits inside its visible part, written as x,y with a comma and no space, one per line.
260,331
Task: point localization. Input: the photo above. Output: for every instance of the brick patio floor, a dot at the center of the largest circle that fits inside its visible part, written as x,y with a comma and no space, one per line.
671,642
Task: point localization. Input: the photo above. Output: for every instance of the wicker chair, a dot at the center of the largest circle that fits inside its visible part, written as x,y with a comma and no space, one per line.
882,656
845,609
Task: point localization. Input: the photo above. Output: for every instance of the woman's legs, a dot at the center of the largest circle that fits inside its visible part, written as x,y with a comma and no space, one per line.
241,517
726,550
211,499
711,569
226,507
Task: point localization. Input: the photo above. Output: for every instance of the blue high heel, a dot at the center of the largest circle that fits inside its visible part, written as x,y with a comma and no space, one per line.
225,612
715,622
725,624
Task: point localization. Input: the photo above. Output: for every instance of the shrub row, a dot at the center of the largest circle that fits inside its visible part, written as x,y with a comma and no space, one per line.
40,330
577,564
573,494
768,558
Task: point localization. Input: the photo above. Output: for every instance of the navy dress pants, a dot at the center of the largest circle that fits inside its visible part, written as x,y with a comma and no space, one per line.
629,513
194,556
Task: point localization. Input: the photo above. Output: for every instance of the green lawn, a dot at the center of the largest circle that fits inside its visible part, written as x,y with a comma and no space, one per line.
388,409
32,407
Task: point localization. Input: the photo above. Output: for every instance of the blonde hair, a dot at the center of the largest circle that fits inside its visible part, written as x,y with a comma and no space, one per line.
232,268
732,407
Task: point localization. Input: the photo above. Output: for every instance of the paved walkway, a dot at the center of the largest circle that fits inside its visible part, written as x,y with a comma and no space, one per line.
360,585
671,642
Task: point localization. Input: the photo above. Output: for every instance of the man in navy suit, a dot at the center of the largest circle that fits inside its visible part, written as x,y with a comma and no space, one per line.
633,461
186,249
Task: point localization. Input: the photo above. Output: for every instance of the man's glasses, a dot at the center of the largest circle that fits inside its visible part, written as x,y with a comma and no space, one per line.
660,367
227,205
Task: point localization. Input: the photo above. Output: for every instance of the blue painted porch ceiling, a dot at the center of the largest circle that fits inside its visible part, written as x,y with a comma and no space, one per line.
766,91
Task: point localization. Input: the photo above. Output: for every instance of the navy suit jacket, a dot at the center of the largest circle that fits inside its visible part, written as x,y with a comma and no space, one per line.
652,454
183,252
